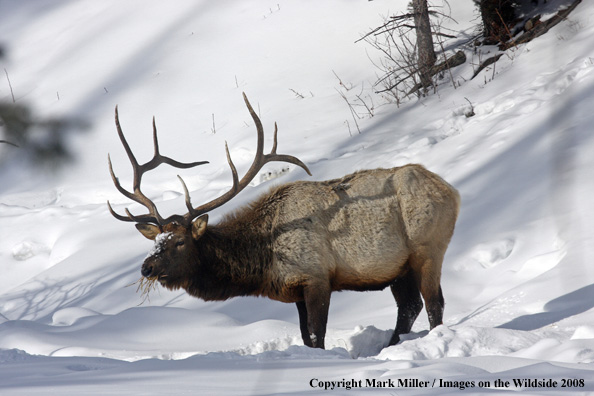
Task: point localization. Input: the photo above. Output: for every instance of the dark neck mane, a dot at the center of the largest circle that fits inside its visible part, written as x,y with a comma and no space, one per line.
235,257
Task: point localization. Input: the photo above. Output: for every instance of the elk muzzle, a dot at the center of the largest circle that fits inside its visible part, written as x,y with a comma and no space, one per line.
146,270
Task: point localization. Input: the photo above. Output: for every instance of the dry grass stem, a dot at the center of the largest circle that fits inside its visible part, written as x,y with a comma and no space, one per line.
145,286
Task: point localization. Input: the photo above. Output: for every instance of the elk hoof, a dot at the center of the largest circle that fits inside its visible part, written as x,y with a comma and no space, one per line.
394,340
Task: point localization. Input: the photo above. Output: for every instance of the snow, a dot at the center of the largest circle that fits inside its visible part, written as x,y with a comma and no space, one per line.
160,240
518,275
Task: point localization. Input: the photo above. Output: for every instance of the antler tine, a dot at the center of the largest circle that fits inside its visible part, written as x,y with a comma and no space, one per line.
116,215
193,213
155,140
124,141
186,194
259,161
233,169
159,159
126,193
138,170
273,156
137,195
274,143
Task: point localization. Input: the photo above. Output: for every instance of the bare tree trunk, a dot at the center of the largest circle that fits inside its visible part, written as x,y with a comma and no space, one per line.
496,15
426,53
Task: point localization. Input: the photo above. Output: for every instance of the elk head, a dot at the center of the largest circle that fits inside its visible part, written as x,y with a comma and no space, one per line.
177,237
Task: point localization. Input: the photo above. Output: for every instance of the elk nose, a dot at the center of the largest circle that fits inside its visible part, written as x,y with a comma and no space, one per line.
146,271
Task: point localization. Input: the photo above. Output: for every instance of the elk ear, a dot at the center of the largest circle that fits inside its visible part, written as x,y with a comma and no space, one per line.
199,226
148,230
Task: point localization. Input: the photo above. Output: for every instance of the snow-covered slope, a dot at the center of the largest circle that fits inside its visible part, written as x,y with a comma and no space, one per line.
517,279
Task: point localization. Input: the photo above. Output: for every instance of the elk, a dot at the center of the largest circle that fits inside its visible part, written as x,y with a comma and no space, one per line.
303,240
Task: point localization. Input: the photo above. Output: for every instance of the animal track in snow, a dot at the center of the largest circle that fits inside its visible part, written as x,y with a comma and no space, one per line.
26,249
490,254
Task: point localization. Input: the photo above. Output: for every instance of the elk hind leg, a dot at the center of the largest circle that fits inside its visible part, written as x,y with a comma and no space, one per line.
408,298
435,309
428,268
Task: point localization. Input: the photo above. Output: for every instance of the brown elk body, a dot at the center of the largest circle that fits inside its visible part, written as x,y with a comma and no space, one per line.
303,240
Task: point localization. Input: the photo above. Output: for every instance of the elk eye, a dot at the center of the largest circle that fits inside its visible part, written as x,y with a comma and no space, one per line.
179,243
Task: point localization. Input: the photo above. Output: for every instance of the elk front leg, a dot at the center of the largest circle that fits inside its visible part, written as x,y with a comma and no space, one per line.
303,324
408,298
314,312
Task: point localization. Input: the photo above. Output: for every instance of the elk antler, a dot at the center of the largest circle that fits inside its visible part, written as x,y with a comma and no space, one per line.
259,161
153,216
138,196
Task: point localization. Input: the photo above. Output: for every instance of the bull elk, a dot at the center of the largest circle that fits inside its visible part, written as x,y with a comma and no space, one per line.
303,240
